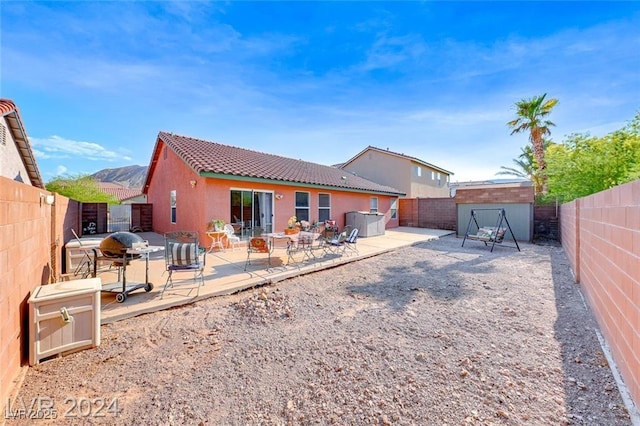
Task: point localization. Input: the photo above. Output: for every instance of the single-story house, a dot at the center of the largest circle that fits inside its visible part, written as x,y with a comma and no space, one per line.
191,182
415,177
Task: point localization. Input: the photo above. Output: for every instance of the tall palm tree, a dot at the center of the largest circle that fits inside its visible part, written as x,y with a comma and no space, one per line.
531,118
525,166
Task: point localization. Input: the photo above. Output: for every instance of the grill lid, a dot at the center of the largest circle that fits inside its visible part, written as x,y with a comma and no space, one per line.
116,244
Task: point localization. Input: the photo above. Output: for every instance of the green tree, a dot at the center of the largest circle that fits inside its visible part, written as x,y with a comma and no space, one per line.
584,165
531,117
81,188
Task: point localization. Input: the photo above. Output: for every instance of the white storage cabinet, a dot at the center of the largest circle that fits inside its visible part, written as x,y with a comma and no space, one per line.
64,317
74,253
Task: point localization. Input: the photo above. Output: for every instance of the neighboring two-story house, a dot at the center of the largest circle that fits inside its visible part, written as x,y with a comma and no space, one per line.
414,177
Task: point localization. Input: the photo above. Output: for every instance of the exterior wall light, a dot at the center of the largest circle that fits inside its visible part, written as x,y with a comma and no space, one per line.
47,198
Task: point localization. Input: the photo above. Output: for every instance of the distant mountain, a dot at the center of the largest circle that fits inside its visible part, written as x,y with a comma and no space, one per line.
129,176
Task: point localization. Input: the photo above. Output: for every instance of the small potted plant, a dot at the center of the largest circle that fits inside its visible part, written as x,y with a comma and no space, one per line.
216,225
292,226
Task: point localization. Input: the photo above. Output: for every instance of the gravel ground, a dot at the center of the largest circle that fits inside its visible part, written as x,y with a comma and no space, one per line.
433,334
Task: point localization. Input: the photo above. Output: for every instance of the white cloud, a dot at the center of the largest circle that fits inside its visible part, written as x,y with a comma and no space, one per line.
387,52
60,170
58,147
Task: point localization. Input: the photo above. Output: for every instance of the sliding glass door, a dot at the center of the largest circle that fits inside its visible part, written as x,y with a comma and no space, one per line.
251,212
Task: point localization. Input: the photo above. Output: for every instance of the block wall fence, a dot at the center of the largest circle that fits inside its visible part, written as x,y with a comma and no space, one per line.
442,213
436,213
31,239
601,236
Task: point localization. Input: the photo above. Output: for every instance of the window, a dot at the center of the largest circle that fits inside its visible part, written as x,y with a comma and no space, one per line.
417,170
433,175
324,207
302,206
439,179
172,203
373,205
394,208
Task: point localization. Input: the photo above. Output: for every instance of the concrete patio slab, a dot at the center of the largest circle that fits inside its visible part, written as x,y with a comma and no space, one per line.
224,272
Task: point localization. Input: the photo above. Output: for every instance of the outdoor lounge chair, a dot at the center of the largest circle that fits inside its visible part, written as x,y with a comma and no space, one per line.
182,253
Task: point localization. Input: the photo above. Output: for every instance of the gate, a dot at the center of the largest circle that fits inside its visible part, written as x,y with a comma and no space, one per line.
119,218
100,218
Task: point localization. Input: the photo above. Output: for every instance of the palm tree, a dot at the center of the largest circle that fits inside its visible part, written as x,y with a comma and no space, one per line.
531,118
525,167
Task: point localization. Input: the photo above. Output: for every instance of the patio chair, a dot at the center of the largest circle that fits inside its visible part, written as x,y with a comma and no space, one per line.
305,225
336,245
330,229
232,238
182,253
351,242
259,245
92,261
302,242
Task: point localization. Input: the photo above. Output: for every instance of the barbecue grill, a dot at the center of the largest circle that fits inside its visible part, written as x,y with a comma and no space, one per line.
117,244
121,247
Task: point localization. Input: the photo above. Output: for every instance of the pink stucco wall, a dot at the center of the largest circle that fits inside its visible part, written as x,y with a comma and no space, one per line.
210,198
601,236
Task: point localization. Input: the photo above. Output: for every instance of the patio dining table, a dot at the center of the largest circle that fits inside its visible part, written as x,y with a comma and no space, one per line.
302,241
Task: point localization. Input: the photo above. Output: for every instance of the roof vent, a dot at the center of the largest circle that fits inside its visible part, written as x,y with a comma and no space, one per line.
3,135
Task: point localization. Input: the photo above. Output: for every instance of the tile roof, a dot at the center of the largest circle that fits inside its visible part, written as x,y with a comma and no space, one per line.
408,157
9,111
118,191
211,158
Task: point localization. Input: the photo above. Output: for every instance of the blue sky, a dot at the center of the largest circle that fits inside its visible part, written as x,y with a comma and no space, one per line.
96,81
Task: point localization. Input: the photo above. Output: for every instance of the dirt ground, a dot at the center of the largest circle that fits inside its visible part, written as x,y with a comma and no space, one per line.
433,334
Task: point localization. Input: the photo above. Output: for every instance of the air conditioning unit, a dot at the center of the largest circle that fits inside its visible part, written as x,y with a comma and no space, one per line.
64,317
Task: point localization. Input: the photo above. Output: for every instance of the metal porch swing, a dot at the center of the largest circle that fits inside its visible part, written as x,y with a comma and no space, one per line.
494,235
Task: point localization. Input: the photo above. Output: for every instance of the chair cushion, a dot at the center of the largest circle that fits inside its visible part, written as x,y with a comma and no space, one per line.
184,253
259,245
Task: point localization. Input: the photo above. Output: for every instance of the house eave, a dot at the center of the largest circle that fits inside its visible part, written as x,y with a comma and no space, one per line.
296,184
26,154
